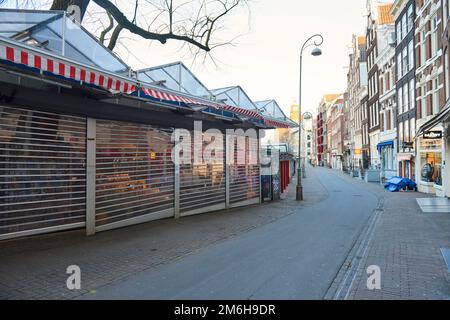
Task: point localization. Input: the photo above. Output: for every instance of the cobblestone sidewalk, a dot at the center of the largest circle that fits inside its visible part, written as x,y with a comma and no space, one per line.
405,244
35,268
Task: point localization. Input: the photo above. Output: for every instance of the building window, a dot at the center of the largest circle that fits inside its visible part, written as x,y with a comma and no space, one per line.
399,32
423,51
406,131
377,113
434,36
423,111
400,132
412,94
436,101
410,17
405,98
400,100
404,26
399,66
410,55
445,8
405,67
447,77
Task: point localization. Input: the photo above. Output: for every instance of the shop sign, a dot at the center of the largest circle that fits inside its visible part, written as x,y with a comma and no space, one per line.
429,135
407,145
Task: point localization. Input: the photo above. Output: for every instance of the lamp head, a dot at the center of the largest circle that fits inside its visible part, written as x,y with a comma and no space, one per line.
316,52
307,116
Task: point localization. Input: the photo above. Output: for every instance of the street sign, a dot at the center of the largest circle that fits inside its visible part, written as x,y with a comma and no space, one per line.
429,135
407,145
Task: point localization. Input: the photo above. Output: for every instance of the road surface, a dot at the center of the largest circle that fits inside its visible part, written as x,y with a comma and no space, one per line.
296,257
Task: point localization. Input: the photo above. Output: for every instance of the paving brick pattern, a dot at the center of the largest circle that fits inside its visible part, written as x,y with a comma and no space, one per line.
406,246
34,268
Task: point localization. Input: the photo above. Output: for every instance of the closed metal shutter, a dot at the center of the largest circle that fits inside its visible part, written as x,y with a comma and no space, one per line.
135,174
203,186
245,172
42,172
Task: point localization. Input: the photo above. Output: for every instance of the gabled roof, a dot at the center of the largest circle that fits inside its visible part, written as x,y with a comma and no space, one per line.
270,108
384,14
361,40
234,96
331,97
50,44
55,32
175,76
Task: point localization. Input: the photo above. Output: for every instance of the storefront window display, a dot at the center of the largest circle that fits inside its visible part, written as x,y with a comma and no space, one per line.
431,161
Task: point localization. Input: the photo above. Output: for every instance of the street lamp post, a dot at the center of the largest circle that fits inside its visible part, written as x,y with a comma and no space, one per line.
305,116
316,52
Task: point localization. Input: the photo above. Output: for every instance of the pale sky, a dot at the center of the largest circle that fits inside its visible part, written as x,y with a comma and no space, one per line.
265,61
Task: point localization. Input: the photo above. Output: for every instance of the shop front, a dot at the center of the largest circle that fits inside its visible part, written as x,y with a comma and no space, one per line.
42,171
85,147
446,183
431,151
406,165
386,150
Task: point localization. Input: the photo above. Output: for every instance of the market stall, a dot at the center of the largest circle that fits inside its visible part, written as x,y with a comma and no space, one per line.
86,144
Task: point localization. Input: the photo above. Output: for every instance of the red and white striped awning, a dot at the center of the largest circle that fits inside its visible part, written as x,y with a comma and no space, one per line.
68,69
277,124
166,96
245,112
63,68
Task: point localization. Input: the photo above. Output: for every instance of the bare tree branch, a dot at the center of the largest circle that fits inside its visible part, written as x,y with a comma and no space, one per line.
115,37
196,24
199,36
107,29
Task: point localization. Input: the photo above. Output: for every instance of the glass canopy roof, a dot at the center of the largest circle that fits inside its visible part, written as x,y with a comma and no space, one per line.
175,76
271,109
47,29
234,96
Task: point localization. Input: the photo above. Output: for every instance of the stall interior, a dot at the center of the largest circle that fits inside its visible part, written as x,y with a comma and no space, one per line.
202,182
135,172
42,170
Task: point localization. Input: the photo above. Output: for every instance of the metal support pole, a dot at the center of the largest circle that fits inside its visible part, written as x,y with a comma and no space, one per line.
229,143
177,184
259,156
299,190
316,52
63,31
90,175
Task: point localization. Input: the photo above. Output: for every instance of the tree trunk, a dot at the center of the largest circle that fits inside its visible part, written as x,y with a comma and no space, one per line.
64,4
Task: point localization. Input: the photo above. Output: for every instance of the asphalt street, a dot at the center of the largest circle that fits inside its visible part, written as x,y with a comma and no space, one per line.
296,257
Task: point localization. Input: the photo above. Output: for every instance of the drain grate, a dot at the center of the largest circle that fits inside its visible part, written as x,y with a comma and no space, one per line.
446,254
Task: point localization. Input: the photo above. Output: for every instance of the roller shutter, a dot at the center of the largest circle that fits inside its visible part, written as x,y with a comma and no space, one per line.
42,172
202,186
135,174
245,171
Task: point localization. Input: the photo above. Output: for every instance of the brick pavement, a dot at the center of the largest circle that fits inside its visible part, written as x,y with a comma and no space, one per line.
406,246
34,268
